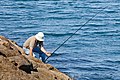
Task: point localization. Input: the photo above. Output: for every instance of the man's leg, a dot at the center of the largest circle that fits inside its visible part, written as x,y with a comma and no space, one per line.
43,56
27,51
38,53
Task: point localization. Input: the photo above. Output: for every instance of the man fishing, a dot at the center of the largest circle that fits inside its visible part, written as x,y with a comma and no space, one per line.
34,46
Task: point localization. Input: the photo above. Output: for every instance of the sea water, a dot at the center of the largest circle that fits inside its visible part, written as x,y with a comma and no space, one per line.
92,53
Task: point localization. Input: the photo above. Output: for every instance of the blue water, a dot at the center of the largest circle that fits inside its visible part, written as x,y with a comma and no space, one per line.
93,53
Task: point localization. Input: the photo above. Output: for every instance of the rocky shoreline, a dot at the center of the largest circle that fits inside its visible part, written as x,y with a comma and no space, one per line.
15,65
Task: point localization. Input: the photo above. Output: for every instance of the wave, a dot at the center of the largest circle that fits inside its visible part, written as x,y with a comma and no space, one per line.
111,61
59,34
93,68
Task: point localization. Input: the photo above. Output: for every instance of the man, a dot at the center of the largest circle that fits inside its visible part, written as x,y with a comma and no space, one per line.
35,44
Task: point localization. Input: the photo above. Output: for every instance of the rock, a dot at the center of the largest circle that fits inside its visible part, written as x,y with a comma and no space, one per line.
8,48
22,63
15,65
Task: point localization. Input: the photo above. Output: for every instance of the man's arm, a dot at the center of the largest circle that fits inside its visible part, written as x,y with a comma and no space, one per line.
31,46
43,50
31,52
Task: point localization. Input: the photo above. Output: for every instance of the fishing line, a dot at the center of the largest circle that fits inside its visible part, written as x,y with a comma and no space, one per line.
76,32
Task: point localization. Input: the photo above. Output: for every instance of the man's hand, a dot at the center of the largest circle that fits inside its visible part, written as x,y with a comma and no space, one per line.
48,53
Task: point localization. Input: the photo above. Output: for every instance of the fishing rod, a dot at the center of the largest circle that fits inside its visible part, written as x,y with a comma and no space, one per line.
75,32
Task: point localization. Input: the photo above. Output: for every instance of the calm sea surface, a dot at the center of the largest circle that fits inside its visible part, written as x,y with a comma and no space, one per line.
93,53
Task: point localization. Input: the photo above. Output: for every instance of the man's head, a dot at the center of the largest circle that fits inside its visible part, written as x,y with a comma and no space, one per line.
39,36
